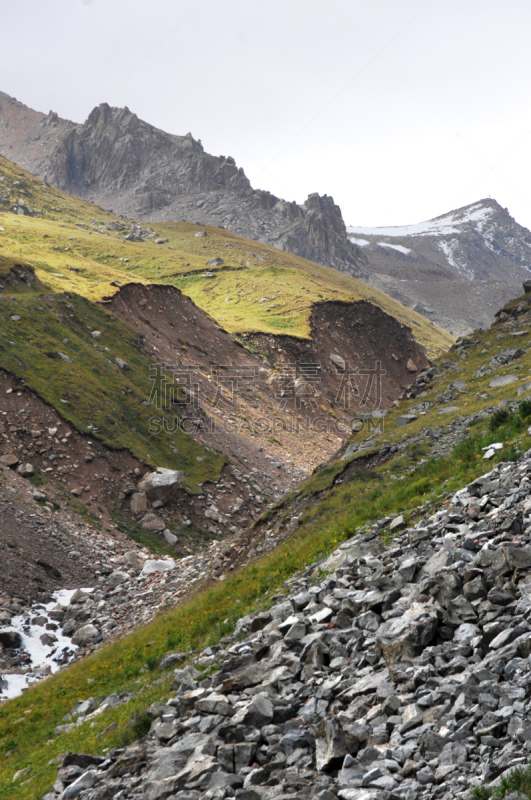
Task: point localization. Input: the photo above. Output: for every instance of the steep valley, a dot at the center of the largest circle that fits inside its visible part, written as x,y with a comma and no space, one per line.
264,530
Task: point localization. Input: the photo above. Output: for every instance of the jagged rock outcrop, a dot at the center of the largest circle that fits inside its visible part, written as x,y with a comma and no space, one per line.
124,164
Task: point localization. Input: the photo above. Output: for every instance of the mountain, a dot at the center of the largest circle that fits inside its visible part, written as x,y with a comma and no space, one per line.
456,269
130,167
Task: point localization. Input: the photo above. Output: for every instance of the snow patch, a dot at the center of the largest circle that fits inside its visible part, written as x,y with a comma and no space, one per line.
450,249
477,214
359,242
399,247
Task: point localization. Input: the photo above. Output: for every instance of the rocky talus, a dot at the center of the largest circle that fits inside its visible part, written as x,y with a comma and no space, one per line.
382,672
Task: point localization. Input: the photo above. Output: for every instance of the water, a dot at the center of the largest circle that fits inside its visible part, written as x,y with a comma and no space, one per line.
44,658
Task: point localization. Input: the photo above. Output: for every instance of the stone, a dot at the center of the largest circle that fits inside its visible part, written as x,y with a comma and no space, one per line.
138,503
162,484
9,460
117,577
397,523
150,522
215,704
405,419
411,366
186,675
26,470
506,356
10,640
337,361
257,713
406,636
123,365
85,633
85,781
503,380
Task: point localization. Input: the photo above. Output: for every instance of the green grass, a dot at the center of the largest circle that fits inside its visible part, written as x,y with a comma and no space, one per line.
87,260
519,780
90,390
210,614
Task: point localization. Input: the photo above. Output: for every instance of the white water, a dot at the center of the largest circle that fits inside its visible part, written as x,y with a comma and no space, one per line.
43,657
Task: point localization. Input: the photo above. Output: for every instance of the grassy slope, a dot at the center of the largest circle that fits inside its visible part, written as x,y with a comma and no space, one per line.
27,723
95,390
87,260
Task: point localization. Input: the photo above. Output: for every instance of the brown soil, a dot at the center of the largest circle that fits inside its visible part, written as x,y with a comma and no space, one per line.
36,552
97,482
270,421
362,335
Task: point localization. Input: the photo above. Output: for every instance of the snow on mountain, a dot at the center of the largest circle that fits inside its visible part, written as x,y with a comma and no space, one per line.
454,222
455,268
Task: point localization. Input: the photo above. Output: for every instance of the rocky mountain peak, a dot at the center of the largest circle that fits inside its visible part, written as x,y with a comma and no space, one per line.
124,164
455,268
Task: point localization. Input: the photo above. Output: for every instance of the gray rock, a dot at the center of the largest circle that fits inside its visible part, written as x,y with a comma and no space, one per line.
85,633
117,577
503,380
162,484
405,419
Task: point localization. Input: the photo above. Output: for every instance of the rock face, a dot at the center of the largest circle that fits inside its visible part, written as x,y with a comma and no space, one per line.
126,165
456,269
403,673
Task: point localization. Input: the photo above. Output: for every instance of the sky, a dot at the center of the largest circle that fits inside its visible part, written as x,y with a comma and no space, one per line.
401,110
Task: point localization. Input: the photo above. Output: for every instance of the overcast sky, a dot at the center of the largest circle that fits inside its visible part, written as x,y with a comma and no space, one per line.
399,109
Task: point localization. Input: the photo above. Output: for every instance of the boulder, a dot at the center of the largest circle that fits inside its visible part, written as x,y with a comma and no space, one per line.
405,419
138,503
116,578
26,470
85,633
337,361
332,744
162,484
503,380
9,460
152,566
152,523
10,640
406,636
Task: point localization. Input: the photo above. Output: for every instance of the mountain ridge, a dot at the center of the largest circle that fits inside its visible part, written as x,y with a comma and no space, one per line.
472,259
456,270
130,167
